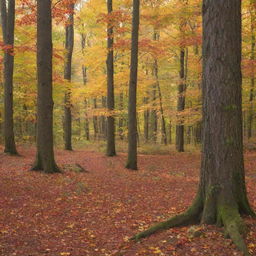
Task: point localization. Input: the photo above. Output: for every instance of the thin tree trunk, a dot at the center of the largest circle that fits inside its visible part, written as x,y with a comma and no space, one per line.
132,118
8,22
121,118
153,114
170,132
156,37
95,120
45,154
103,121
163,125
146,121
111,149
86,102
69,45
181,103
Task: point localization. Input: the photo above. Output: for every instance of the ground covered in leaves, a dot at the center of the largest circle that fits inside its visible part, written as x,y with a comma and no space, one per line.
96,211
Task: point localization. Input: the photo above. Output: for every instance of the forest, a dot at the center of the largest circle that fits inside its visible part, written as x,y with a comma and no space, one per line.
127,127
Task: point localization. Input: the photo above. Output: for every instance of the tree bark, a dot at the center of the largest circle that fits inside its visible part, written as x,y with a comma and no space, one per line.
121,117
221,196
69,45
95,120
86,102
163,125
153,115
111,149
103,121
45,154
181,103
8,23
146,121
132,114
252,80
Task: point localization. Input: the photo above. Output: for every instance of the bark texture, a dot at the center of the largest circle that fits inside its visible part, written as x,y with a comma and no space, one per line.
132,115
111,150
45,154
69,45
252,80
8,22
86,102
181,103
221,196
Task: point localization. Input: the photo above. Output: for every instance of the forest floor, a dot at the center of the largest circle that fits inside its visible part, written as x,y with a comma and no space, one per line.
94,213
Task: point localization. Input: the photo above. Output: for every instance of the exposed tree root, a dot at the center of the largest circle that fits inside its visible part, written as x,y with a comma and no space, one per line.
234,227
48,166
228,216
191,216
53,169
11,153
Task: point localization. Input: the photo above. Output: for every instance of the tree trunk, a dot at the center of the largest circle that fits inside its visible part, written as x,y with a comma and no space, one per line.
121,118
69,45
95,120
84,73
45,154
163,125
181,103
103,123
153,114
111,149
132,118
170,132
156,37
221,196
252,80
146,121
8,22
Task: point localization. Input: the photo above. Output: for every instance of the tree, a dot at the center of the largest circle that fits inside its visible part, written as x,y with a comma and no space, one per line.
111,151
252,58
8,23
84,74
181,103
69,45
221,196
132,114
45,154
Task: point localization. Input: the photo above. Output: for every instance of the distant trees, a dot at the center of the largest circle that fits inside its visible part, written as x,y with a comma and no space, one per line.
8,22
132,114
45,154
221,196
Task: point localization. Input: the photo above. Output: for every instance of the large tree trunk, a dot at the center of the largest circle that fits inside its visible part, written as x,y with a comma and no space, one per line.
221,196
252,80
8,21
111,150
45,154
132,114
69,45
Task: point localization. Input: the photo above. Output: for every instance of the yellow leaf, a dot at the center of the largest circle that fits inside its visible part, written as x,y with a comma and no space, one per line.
65,253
